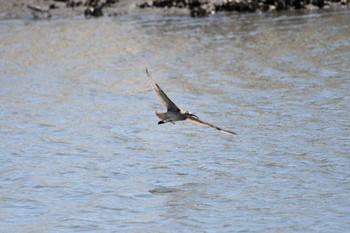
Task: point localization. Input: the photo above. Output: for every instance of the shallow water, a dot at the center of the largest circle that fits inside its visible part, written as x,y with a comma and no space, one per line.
81,149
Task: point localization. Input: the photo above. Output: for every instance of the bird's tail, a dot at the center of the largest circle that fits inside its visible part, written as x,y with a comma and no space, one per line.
161,115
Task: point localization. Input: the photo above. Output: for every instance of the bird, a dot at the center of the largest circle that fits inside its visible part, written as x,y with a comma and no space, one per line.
175,113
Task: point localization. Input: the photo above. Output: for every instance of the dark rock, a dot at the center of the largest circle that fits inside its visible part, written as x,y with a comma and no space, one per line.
91,11
53,6
94,7
239,6
199,8
280,5
144,5
319,3
296,4
170,3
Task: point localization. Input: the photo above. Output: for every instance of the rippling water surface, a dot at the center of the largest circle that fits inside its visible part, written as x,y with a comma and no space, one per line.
81,149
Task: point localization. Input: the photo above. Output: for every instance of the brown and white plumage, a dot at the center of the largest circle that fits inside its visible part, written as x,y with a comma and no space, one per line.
174,113
163,97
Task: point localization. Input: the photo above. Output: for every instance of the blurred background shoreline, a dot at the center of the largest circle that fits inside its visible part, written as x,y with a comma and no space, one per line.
12,9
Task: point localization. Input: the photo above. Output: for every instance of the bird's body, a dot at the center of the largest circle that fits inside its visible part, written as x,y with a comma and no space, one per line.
174,113
170,116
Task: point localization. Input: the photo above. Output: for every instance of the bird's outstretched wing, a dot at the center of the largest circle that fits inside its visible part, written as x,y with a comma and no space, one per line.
165,99
196,120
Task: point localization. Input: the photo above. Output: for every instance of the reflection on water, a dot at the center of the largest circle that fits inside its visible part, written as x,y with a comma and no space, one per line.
82,151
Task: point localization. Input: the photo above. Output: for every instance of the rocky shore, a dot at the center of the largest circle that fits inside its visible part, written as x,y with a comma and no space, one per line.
194,8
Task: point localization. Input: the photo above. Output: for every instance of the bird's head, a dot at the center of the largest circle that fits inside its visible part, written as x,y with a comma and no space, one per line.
187,113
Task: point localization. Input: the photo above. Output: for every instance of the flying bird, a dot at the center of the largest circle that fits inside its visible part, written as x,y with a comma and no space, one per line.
174,113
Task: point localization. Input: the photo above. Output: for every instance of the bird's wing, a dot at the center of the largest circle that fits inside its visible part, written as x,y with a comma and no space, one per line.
198,121
165,99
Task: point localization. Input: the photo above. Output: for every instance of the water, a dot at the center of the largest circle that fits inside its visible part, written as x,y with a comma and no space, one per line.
81,149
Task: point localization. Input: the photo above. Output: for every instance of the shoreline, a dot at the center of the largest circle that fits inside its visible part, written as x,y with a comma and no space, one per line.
14,9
